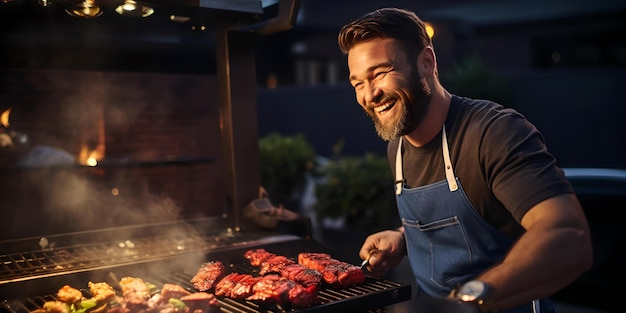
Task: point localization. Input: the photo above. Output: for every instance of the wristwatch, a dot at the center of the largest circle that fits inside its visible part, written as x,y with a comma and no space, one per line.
476,292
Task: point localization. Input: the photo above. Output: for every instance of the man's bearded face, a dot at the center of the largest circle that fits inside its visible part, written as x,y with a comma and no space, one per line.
413,97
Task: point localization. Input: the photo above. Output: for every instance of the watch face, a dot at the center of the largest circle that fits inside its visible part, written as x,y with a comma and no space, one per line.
471,290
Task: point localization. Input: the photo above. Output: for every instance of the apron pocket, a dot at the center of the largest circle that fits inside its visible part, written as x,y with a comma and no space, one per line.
441,245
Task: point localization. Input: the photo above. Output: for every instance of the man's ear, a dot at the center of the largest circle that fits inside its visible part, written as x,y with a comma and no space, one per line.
426,62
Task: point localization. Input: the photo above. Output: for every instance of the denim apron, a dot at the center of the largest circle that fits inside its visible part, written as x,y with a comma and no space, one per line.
447,241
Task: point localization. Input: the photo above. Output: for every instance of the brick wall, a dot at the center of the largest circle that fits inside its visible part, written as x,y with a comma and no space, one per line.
158,133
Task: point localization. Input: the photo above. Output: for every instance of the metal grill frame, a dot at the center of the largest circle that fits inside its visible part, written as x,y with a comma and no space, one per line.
373,293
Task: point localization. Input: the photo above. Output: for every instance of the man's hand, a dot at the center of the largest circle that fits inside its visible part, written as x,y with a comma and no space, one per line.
385,250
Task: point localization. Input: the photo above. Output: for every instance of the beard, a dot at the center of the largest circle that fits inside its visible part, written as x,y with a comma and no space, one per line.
413,99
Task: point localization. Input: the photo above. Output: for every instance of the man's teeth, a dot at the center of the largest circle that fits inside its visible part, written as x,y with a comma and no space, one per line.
382,108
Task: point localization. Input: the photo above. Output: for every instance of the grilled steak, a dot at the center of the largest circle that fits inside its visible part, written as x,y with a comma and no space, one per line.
173,291
336,273
201,302
235,285
283,292
275,264
257,256
208,275
302,275
343,275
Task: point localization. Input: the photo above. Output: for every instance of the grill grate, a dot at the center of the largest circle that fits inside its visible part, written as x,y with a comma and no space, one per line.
328,298
17,266
367,297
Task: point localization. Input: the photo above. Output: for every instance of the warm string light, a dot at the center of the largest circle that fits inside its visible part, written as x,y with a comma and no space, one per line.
85,9
91,9
132,8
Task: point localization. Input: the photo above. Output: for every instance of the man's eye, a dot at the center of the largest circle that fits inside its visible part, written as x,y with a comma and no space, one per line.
381,74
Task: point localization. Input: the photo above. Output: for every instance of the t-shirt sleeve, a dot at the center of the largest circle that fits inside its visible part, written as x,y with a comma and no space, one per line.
519,169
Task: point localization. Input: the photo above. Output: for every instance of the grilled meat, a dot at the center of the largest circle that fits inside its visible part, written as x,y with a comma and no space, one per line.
271,263
201,302
208,274
302,275
317,261
343,275
275,264
135,293
102,292
235,285
169,291
68,294
257,256
283,292
336,273
54,307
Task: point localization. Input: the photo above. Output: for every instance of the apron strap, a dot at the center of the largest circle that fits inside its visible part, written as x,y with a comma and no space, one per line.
446,161
399,176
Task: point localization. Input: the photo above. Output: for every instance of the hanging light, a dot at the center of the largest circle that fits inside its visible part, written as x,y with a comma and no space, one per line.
45,3
84,9
133,9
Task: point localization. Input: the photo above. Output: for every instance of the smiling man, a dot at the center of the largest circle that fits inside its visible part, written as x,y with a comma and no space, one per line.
487,215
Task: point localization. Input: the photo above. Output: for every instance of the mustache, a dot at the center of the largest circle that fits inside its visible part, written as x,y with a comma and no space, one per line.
384,97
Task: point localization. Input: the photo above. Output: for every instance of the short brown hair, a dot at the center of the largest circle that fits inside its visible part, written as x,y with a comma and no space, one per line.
402,25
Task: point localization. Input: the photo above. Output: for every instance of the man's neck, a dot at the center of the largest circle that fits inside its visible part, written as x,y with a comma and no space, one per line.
433,122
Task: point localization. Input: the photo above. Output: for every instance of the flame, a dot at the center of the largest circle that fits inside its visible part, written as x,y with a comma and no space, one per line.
89,154
4,118
89,157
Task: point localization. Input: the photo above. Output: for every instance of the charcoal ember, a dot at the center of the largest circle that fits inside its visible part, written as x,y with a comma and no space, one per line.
281,291
257,256
201,302
208,275
302,275
236,285
169,291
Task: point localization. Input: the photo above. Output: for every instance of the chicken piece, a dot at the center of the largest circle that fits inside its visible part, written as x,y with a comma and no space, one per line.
69,294
55,307
102,292
208,275
135,293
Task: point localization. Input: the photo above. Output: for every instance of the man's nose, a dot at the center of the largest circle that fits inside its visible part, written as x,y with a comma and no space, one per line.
371,92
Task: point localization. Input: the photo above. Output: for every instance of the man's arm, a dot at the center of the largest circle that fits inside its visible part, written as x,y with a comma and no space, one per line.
552,253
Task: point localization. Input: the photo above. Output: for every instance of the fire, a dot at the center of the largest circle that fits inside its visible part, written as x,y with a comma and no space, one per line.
89,157
90,154
4,118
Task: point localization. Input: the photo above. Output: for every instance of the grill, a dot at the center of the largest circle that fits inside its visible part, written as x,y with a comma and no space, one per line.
29,279
33,269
